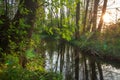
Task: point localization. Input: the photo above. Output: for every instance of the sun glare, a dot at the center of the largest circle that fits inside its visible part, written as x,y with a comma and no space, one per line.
106,18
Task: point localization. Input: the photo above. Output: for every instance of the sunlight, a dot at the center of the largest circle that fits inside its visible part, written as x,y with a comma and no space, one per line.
106,18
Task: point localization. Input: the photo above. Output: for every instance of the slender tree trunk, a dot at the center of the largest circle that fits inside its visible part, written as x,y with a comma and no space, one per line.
22,60
61,61
103,12
73,62
76,63
77,35
32,6
94,21
100,71
4,39
6,7
77,20
85,68
56,67
62,51
90,18
93,69
85,17
68,67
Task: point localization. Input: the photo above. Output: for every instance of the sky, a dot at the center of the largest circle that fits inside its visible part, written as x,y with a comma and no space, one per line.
113,3
113,9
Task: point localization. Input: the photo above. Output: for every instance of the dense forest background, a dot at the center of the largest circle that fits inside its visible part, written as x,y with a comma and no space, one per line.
57,39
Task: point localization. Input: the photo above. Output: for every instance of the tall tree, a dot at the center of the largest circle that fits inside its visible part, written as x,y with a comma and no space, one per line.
4,26
24,20
86,15
103,12
18,30
94,21
77,35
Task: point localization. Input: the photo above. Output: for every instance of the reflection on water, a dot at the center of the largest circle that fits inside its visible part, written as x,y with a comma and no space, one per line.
53,62
110,73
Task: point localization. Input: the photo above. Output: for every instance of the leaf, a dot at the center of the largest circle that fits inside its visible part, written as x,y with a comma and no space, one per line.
50,31
30,53
1,22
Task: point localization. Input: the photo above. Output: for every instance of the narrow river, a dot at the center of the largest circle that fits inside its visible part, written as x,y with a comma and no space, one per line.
53,63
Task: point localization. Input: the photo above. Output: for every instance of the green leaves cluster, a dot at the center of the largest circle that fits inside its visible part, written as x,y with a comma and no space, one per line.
11,70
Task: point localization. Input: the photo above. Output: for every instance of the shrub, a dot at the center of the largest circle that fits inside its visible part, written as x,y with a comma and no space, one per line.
11,70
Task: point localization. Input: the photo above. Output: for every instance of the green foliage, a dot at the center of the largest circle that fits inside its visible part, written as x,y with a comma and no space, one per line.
1,22
67,32
46,33
16,73
17,31
22,24
11,60
11,70
30,53
23,10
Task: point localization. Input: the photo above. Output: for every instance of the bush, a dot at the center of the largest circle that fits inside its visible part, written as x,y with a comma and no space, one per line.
11,70
24,74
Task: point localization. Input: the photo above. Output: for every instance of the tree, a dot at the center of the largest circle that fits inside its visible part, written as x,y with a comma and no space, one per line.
94,21
77,35
18,31
103,12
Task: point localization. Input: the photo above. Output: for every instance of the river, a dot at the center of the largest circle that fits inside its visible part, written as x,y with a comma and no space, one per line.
53,63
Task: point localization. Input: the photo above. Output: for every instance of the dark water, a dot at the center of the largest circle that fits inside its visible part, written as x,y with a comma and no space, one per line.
53,63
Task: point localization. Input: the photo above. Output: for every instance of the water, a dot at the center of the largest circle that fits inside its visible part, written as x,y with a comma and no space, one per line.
110,72
53,63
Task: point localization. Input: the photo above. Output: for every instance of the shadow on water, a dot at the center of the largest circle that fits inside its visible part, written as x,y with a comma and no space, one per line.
90,67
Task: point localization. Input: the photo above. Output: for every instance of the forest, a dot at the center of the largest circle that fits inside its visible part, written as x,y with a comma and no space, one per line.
59,39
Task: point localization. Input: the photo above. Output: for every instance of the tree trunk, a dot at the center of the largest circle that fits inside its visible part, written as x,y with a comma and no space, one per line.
61,52
100,71
85,16
101,19
94,21
93,69
68,67
32,6
77,35
85,68
29,19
